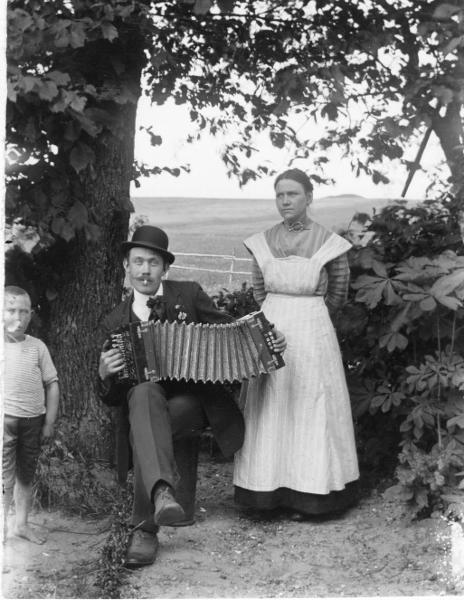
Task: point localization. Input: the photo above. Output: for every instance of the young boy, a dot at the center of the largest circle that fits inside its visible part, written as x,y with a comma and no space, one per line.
31,395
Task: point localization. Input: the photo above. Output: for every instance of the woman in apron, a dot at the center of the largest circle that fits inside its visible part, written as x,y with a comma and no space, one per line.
299,451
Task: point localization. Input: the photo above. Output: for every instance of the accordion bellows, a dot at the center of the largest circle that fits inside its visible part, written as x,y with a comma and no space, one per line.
155,350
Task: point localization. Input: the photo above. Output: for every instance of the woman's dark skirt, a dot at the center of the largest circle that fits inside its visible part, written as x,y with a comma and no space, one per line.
308,504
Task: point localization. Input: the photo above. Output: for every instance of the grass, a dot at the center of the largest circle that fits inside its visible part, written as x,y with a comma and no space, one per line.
219,226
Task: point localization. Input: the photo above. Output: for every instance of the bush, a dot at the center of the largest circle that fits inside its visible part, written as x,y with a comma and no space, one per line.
401,337
237,303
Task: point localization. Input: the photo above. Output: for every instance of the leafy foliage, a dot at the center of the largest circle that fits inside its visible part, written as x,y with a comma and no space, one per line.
373,74
238,302
401,334
63,95
431,480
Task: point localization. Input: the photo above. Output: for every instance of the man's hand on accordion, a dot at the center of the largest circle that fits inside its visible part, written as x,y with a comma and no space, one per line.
280,342
111,361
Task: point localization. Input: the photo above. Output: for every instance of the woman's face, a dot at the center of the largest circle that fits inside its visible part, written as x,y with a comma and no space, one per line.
291,200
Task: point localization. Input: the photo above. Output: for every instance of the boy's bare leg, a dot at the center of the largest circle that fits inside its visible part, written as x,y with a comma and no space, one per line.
23,501
7,499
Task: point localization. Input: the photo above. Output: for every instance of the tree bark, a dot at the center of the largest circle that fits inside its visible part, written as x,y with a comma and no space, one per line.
91,284
449,131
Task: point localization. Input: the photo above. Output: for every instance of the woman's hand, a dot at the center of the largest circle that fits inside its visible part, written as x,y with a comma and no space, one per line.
111,361
280,342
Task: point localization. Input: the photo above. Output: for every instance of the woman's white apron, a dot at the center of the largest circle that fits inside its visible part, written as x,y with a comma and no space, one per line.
299,430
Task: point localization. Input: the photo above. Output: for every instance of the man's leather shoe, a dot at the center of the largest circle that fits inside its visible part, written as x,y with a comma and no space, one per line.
142,549
167,510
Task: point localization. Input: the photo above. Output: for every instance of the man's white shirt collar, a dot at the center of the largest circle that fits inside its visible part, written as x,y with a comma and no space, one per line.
139,303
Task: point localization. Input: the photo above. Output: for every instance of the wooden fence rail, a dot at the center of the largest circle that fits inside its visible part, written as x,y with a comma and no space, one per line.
230,271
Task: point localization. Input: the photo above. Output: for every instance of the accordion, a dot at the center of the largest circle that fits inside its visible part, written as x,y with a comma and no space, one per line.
156,350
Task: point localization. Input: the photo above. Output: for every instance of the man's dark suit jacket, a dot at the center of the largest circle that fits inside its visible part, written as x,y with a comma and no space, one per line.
223,415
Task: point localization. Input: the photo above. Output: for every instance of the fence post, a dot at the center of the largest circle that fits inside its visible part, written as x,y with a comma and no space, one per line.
231,271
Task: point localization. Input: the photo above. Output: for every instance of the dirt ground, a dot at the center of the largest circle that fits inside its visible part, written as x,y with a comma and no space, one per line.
372,550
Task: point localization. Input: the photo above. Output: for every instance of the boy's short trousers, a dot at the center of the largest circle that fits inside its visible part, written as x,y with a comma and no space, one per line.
21,448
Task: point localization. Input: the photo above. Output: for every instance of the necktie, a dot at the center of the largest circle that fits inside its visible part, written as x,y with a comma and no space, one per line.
157,308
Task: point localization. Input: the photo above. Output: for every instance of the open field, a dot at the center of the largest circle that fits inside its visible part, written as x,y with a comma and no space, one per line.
219,226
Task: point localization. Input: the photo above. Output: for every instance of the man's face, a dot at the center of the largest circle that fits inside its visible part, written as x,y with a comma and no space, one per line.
145,269
16,315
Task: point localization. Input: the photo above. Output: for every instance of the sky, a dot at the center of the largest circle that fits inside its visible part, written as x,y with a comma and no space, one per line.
208,176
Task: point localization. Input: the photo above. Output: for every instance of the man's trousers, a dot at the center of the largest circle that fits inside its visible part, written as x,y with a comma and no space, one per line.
155,421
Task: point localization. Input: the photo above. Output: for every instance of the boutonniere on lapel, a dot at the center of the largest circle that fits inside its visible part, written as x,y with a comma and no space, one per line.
180,310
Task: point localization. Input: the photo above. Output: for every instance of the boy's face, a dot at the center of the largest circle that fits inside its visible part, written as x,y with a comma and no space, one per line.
16,315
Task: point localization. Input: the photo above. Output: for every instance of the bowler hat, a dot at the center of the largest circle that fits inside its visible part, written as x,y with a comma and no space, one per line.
151,237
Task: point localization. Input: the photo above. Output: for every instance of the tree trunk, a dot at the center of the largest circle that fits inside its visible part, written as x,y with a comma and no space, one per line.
449,131
91,271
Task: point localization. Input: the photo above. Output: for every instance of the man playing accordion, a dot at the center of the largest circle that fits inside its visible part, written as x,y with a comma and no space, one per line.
152,415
